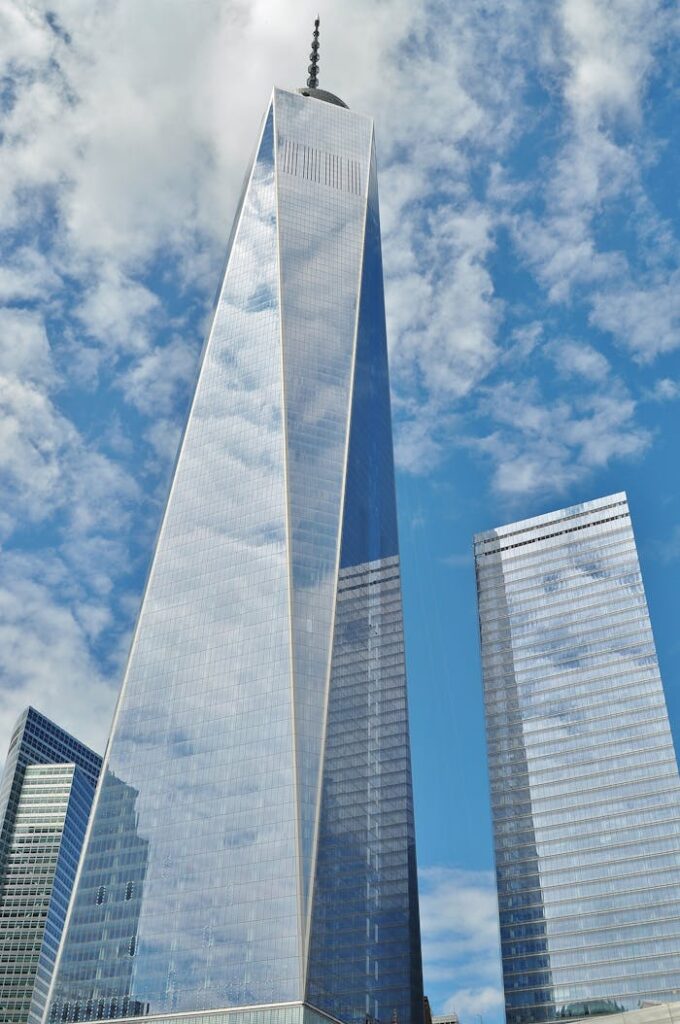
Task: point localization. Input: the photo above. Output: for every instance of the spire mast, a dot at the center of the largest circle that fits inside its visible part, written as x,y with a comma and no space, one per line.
313,80
312,88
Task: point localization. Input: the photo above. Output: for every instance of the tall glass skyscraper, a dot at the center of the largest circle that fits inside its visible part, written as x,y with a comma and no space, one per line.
584,780
263,869
46,795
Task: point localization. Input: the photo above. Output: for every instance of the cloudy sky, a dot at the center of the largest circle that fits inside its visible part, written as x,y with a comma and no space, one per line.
528,157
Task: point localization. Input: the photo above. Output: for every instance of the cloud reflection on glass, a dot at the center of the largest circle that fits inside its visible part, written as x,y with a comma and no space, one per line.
584,780
275,569
204,728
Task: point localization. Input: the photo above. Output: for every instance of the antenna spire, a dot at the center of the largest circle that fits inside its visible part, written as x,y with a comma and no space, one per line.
313,80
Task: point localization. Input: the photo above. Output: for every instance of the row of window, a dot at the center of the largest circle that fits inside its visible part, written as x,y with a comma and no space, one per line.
571,605
583,517
622,572
599,532
592,559
593,942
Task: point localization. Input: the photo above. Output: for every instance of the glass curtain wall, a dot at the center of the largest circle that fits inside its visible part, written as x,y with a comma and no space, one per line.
216,810
40,863
46,794
584,779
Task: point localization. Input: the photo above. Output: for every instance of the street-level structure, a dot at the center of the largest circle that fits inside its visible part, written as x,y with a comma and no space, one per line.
447,1018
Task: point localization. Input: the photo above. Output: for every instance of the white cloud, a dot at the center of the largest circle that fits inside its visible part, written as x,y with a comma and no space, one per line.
540,444
118,311
34,439
608,48
457,348
559,241
45,465
164,436
54,603
524,341
470,1003
45,652
601,54
459,908
443,320
645,320
562,253
421,432
461,952
579,359
29,441
30,276
156,379
599,58
665,390
24,347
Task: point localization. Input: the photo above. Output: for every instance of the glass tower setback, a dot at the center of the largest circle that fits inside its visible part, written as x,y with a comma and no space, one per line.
584,779
251,855
46,803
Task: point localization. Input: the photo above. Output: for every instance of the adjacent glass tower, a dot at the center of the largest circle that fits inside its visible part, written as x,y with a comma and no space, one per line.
45,798
263,866
584,780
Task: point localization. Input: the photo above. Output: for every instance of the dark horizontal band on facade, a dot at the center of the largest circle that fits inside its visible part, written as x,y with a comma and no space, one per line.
545,522
548,536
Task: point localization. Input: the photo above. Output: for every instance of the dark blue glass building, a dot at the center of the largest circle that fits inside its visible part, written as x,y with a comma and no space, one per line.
252,853
45,799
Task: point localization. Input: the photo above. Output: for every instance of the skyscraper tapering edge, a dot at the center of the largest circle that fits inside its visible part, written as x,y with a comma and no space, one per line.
264,856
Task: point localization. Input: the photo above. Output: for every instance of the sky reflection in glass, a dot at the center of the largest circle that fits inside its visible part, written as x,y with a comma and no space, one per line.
201,888
584,779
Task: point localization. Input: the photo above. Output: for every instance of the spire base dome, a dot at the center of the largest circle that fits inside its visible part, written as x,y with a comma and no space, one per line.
322,94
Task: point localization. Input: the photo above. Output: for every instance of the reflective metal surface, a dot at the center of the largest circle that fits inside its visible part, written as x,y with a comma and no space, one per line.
200,878
584,779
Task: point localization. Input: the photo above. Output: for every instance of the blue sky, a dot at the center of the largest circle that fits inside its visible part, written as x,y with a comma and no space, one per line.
528,159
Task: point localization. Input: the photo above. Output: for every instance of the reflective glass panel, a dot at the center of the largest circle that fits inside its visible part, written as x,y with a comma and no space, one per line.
323,154
584,778
45,799
188,898
364,952
196,890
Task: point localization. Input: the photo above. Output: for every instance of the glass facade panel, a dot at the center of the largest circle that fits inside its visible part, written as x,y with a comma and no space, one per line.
584,778
46,803
293,1013
197,808
37,740
201,888
322,157
364,956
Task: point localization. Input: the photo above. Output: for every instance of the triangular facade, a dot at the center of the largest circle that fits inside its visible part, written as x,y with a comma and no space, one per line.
209,881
